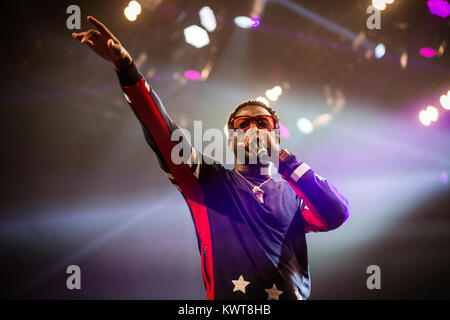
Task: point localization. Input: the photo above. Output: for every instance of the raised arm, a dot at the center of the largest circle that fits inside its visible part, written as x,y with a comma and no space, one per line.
157,125
158,129
323,208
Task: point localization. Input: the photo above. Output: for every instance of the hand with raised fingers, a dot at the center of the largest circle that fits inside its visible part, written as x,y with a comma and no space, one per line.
104,44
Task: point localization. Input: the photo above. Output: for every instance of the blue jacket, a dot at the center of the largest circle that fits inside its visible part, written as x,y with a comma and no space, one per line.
248,249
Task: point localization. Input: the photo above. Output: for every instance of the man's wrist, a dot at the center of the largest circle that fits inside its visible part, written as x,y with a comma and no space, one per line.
128,74
123,64
287,162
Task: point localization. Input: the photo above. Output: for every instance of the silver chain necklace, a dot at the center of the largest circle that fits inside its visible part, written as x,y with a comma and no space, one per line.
257,191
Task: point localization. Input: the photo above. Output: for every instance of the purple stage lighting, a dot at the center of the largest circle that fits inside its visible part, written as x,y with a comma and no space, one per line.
284,132
439,8
444,177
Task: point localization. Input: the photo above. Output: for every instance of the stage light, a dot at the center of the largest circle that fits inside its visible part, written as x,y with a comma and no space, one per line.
429,115
379,4
207,19
192,75
404,60
206,71
440,8
274,93
130,13
323,119
244,22
136,7
263,100
424,118
271,95
196,36
277,90
428,52
441,49
305,125
380,51
132,10
256,22
445,101
432,113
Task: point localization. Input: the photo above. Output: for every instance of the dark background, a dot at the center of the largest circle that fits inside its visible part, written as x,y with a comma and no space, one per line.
80,185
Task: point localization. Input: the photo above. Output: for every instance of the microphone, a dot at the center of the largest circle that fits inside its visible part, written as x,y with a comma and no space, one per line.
260,149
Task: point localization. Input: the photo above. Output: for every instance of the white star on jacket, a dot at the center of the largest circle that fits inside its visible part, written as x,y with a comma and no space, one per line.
240,284
273,293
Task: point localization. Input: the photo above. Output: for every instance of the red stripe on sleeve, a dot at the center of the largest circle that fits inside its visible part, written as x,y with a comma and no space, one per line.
314,222
149,115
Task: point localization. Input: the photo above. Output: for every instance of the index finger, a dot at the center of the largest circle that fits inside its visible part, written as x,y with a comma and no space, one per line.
101,27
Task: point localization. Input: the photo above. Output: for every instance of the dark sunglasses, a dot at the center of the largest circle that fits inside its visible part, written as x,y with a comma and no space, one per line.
261,121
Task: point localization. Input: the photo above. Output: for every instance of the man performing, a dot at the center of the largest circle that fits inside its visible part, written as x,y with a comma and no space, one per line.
250,228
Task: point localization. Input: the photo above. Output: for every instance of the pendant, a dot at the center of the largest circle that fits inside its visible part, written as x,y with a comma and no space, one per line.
260,196
257,189
259,193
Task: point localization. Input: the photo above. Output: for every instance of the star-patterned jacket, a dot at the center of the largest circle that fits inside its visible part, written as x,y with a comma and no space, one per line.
248,249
